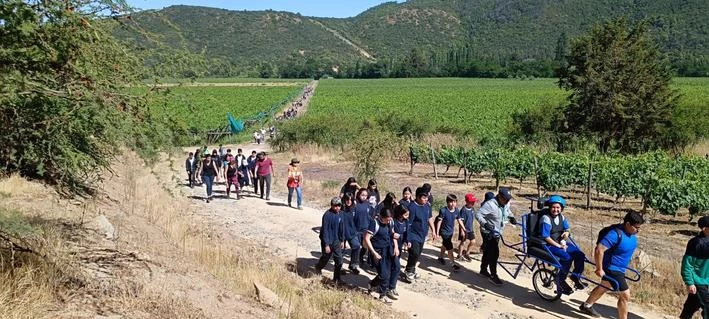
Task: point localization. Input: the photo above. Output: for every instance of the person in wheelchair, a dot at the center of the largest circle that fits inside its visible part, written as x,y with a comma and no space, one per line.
554,230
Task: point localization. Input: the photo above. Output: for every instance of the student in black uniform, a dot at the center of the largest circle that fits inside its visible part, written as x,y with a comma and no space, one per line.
379,240
407,197
447,218
217,162
332,239
362,215
190,166
374,198
350,186
467,233
352,236
401,227
389,203
420,223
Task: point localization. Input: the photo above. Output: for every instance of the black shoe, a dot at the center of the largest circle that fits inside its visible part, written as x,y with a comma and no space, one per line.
456,267
578,284
354,271
565,288
495,280
484,273
589,310
441,261
391,294
467,258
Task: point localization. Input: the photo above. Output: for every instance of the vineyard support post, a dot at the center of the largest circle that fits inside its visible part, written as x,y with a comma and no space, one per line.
536,177
433,156
588,185
465,167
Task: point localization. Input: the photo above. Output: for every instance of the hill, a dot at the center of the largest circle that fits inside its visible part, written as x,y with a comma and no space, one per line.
499,30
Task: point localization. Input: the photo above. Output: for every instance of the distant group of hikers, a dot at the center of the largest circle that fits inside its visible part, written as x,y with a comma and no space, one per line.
296,105
239,171
379,231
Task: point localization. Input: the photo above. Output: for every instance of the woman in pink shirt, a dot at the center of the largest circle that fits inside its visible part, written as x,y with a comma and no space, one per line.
264,167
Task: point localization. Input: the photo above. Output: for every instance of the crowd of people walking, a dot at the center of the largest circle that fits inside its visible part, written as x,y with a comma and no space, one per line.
378,232
297,105
238,171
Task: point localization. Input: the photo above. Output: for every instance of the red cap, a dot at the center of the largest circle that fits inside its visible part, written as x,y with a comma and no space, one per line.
470,198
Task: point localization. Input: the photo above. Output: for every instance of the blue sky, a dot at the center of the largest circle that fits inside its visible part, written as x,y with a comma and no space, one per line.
317,8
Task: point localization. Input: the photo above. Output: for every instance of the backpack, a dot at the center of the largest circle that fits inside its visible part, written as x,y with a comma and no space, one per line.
376,226
604,232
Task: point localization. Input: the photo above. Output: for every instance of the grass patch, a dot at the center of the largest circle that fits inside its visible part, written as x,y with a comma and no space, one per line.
329,184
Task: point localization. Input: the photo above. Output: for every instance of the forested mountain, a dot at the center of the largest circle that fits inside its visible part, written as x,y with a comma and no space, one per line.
496,31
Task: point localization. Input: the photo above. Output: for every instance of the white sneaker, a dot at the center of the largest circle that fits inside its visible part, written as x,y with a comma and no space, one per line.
385,300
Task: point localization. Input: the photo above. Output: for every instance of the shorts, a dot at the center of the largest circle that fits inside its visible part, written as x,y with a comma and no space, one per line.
448,242
466,236
225,163
619,277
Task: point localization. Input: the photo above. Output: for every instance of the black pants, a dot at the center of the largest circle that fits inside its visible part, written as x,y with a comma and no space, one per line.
491,253
265,179
700,300
336,252
254,181
191,178
414,255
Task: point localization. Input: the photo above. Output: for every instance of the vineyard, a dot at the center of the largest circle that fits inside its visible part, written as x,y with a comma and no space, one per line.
479,108
203,108
666,184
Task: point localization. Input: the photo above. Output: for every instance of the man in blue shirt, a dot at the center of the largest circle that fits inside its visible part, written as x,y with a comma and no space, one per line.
332,237
612,255
421,222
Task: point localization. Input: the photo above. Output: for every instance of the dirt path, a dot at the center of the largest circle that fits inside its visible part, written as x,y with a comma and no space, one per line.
357,48
438,293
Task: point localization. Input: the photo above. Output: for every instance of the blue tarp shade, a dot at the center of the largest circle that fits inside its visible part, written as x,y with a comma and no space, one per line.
237,126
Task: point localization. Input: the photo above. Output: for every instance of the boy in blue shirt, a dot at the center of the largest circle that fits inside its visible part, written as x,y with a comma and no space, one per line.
332,238
420,222
467,234
612,255
447,218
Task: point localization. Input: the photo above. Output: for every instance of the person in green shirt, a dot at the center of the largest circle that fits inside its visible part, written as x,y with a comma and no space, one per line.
695,272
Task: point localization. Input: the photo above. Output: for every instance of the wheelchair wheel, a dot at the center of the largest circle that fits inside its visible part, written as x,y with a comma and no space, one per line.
544,281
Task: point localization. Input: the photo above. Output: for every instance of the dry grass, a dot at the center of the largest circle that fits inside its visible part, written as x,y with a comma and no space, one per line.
700,149
27,291
60,280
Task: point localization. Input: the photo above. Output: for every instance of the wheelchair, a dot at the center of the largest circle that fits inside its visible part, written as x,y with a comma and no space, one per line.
533,253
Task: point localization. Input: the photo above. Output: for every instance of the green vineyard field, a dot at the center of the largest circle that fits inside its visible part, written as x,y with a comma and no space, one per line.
204,107
477,107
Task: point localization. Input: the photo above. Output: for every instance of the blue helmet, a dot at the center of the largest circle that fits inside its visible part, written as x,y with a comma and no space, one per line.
556,199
